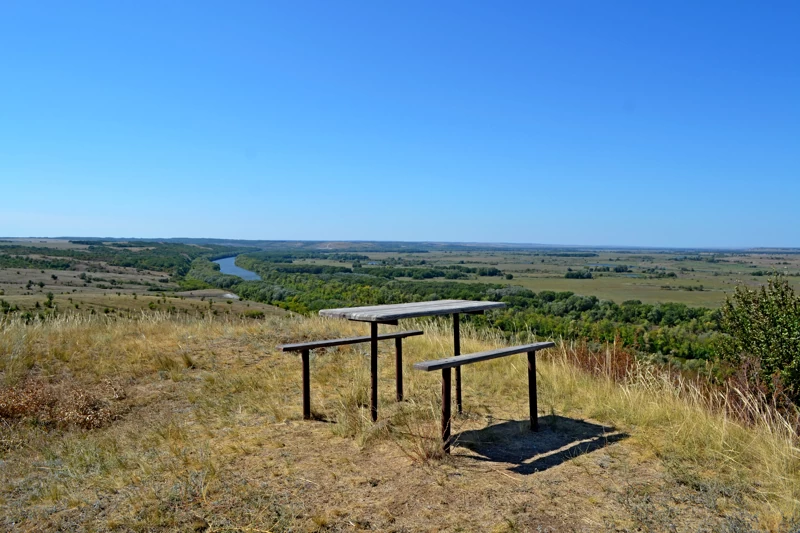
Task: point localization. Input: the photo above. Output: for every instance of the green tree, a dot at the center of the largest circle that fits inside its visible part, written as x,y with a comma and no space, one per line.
765,324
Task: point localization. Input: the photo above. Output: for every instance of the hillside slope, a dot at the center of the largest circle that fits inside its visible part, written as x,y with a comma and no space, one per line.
164,423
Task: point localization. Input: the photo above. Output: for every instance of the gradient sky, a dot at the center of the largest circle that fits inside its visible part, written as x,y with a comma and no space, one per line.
624,123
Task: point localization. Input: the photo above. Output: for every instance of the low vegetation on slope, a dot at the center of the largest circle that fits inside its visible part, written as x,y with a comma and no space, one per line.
166,422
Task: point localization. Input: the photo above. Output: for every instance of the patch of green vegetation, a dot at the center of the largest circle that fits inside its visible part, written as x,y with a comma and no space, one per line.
764,326
578,274
173,258
22,261
670,329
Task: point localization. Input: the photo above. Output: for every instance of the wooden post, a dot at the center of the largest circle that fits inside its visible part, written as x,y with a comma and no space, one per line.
457,351
398,367
446,409
532,401
306,386
373,368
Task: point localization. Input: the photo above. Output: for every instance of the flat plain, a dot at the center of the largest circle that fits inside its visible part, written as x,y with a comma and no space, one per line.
702,278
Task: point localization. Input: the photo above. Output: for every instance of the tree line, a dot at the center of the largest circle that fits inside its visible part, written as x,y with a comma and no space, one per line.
670,329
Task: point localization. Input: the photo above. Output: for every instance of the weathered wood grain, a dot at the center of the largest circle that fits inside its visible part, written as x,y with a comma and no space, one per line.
379,313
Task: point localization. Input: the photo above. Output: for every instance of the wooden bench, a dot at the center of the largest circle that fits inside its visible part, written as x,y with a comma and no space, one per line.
305,348
455,362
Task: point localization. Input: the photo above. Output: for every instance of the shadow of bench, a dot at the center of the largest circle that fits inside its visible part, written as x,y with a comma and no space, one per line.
559,440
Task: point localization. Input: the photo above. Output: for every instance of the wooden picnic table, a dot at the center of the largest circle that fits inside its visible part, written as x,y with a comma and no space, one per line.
391,313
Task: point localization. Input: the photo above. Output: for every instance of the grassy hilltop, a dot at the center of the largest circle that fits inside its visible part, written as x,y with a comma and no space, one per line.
166,421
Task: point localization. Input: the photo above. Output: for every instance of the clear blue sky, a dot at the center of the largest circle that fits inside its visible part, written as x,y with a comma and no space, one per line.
626,123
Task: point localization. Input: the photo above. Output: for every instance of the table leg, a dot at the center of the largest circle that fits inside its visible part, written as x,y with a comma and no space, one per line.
457,351
373,368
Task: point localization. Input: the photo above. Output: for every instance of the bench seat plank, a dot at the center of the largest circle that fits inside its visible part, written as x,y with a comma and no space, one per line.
451,362
300,346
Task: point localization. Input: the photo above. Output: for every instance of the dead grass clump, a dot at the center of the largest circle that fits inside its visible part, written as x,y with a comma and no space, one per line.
351,412
56,405
612,362
417,432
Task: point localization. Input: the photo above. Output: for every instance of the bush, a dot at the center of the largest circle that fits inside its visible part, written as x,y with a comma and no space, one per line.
254,314
764,324
583,274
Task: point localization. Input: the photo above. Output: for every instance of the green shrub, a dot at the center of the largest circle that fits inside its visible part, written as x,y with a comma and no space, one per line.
765,324
582,274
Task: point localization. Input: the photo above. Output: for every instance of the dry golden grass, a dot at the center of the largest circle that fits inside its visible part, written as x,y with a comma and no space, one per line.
204,432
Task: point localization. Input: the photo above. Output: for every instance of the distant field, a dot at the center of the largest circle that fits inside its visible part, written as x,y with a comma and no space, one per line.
690,277
42,243
710,276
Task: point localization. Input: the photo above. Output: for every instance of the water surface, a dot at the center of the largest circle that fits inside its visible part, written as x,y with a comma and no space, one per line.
227,266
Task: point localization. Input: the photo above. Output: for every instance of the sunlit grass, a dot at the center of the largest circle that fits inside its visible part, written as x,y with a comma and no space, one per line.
195,397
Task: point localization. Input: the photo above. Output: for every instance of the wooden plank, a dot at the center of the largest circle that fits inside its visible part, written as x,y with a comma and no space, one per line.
351,340
451,362
379,313
410,310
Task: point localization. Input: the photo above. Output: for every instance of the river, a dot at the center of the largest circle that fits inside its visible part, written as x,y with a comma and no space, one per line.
227,266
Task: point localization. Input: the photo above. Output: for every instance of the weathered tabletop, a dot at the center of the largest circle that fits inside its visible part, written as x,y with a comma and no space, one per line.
383,313
391,313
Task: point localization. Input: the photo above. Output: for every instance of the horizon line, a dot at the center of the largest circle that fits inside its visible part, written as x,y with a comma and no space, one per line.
434,242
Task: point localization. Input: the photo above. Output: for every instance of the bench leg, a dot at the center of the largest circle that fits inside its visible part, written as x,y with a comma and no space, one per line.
457,351
373,369
446,410
306,386
532,401
398,367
